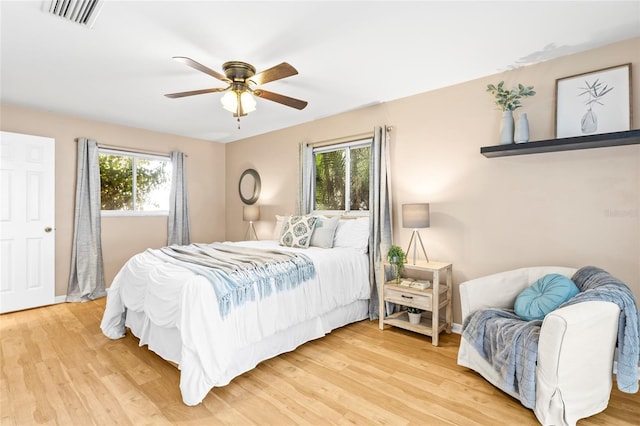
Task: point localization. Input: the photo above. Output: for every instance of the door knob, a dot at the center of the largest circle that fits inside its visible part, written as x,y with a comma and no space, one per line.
48,229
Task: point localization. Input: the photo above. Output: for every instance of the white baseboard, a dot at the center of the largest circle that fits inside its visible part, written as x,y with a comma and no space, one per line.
60,299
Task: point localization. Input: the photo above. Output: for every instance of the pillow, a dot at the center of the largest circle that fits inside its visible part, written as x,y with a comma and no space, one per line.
544,296
297,230
353,233
324,231
277,230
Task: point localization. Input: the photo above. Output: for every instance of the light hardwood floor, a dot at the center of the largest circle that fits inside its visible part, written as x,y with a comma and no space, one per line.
58,368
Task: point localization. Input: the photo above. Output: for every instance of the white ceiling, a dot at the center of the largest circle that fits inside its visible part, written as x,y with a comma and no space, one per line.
348,54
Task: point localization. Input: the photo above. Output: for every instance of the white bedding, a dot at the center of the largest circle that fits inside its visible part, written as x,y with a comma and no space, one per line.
168,303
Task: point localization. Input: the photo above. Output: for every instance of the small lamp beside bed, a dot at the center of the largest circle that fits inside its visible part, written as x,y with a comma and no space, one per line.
415,216
251,214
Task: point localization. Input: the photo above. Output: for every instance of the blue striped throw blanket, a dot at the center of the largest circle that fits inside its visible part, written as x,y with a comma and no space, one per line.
240,274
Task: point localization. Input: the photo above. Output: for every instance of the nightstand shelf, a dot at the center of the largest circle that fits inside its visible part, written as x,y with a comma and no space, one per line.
422,299
401,320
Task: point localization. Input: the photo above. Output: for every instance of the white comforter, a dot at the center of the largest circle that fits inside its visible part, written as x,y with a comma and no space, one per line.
175,297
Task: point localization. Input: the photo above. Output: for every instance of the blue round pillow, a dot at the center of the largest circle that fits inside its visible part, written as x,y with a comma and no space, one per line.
544,296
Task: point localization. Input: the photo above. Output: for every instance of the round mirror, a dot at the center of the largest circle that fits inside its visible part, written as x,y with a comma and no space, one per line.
249,186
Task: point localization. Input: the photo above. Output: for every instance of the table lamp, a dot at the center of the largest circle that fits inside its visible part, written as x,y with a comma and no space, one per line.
250,214
415,216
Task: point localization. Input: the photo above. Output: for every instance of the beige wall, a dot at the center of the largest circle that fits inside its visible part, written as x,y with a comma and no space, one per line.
122,237
571,208
568,208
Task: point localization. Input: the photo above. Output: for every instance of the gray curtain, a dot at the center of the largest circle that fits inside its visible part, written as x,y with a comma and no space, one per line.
178,228
86,279
306,180
380,231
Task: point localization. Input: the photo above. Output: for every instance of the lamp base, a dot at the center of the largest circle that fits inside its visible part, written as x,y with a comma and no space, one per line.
415,237
250,229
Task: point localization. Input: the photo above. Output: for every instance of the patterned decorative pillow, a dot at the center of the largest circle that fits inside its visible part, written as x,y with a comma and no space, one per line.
297,231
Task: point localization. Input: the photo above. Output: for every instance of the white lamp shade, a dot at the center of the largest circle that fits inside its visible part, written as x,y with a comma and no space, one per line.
250,213
415,215
248,102
230,102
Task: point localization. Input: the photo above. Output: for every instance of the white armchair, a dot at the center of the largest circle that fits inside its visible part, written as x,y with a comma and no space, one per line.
575,349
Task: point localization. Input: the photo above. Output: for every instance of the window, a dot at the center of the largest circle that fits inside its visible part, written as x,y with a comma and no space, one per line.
342,177
134,184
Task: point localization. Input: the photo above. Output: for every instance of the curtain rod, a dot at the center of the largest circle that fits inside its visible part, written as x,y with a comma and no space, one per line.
134,150
345,138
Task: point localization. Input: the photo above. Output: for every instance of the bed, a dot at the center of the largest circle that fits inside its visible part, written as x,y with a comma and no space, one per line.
175,312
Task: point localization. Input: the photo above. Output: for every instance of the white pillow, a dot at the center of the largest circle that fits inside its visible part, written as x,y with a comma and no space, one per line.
353,233
277,230
324,231
297,230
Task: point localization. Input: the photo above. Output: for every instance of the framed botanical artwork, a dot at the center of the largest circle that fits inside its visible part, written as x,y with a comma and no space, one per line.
594,102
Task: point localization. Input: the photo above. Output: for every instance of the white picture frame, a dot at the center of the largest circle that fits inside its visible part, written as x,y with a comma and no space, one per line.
593,103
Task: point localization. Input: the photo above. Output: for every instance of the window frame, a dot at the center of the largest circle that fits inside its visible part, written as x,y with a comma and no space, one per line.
134,155
359,143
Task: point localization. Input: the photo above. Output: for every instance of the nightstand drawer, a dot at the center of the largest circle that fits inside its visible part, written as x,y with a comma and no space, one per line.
422,301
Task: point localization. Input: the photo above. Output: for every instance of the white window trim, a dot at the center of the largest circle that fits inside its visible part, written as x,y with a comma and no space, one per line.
361,143
342,213
113,213
135,154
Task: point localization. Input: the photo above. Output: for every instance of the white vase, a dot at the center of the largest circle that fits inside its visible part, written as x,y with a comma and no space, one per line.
506,128
414,318
521,133
589,122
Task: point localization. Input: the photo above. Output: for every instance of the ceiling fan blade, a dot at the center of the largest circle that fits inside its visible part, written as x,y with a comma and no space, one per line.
281,99
274,73
193,64
195,92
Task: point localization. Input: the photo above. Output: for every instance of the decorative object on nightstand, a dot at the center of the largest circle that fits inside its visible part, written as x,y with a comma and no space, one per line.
397,258
415,216
414,314
250,214
428,298
508,101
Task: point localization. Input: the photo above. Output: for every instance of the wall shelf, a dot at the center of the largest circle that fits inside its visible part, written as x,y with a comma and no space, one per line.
628,137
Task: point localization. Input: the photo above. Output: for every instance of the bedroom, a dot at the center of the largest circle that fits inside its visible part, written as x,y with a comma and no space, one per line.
488,215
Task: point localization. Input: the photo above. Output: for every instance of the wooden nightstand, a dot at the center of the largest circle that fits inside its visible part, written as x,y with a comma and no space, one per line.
431,323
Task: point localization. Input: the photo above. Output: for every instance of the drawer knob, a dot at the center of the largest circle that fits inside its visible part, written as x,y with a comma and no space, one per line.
407,297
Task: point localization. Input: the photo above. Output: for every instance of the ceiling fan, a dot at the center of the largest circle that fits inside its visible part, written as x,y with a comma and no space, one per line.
242,82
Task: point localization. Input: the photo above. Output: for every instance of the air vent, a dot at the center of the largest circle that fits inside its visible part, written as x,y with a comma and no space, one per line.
83,12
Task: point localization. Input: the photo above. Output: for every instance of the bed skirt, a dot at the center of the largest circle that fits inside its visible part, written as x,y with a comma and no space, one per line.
167,344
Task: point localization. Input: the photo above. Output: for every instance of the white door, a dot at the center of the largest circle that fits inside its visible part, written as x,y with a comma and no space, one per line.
27,243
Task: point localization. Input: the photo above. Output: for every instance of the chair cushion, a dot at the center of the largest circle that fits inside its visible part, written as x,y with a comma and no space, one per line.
544,296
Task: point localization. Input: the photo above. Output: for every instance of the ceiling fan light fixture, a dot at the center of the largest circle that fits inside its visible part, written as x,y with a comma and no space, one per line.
243,85
231,99
248,102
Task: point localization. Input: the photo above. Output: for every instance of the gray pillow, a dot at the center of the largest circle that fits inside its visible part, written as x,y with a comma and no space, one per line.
324,231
